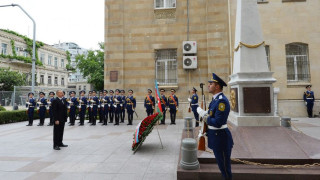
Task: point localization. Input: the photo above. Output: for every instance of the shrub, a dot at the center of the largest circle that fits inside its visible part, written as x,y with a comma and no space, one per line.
16,116
2,108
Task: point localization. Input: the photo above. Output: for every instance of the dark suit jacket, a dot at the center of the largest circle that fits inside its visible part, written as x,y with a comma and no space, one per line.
59,110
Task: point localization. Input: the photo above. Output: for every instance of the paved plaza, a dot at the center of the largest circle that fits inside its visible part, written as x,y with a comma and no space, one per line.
100,152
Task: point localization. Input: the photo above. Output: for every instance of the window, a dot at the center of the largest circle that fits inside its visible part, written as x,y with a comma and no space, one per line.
84,88
166,66
293,0
163,4
262,1
79,87
55,80
49,60
25,53
41,79
4,48
55,62
297,62
267,47
42,58
49,80
62,63
62,81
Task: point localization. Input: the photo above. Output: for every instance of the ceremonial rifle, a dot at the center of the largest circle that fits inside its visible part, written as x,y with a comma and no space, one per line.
189,109
203,124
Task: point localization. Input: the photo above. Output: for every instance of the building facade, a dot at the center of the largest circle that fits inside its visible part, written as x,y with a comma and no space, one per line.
51,74
144,41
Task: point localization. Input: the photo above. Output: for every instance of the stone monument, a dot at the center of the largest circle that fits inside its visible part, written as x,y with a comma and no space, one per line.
251,95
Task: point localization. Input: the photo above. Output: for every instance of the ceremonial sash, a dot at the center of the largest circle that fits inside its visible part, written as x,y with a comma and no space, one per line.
150,100
175,103
162,100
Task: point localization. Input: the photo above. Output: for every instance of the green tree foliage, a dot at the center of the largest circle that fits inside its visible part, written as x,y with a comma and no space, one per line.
92,67
9,79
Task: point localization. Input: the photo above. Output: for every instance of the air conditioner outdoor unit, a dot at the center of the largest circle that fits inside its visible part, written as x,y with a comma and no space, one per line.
189,47
190,62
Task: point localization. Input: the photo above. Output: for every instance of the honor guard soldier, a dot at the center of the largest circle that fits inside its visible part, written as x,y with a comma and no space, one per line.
72,105
149,103
41,104
105,107
194,105
130,106
117,105
111,107
123,106
219,136
94,107
90,107
173,104
64,93
164,102
100,109
308,98
82,107
30,104
50,99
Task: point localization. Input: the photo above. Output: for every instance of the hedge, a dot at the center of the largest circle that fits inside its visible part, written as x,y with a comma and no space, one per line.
16,116
2,108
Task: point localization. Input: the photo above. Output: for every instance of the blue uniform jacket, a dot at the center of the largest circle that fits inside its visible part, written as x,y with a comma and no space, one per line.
123,102
111,103
106,104
131,103
218,112
147,104
42,106
74,103
308,97
119,99
164,102
95,105
50,107
83,105
171,103
31,107
194,102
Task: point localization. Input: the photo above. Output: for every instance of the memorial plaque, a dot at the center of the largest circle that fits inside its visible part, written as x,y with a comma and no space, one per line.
113,76
234,99
256,100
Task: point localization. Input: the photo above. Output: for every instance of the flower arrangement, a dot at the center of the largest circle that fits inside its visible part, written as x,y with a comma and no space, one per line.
143,129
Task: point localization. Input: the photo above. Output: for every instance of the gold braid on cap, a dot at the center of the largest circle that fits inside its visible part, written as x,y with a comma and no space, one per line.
248,45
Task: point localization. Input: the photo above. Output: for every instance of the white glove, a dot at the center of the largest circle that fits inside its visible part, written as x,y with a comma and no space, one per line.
133,110
177,109
114,105
201,112
28,103
306,103
189,99
102,105
121,105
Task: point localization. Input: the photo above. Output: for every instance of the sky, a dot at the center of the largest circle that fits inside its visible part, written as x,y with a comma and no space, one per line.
78,21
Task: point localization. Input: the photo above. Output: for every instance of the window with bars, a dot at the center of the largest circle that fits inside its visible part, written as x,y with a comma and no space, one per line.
163,4
49,80
62,81
297,62
55,80
166,66
267,47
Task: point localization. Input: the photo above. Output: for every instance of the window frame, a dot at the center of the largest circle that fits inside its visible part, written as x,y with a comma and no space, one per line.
2,49
164,5
166,68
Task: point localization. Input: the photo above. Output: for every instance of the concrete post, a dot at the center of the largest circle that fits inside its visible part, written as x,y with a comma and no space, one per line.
189,158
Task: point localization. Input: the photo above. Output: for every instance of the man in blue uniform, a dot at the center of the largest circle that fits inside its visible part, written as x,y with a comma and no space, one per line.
164,102
72,104
308,98
30,104
100,109
123,106
116,103
88,107
105,107
82,107
130,106
219,137
149,103
94,107
42,102
173,103
111,107
194,105
50,99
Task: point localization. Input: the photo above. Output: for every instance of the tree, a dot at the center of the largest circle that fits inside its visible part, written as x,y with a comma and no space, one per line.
9,79
92,67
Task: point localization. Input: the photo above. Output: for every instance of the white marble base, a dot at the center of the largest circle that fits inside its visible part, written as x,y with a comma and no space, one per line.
254,120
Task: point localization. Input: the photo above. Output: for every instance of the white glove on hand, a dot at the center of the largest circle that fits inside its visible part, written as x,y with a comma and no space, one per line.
201,112
177,109
189,100
121,105
114,105
306,103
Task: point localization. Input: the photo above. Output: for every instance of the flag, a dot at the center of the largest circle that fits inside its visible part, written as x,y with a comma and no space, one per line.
159,108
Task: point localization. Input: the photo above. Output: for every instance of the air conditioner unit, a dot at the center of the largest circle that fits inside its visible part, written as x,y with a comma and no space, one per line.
189,47
190,62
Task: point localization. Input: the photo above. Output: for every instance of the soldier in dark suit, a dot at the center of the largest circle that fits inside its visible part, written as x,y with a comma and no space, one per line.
308,98
60,115
105,106
164,102
130,106
100,108
173,103
219,137
111,107
116,103
50,99
82,107
94,107
41,104
30,105
123,106
149,103
194,105
72,105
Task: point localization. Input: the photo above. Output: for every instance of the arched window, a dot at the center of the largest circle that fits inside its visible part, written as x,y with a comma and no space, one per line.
297,62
